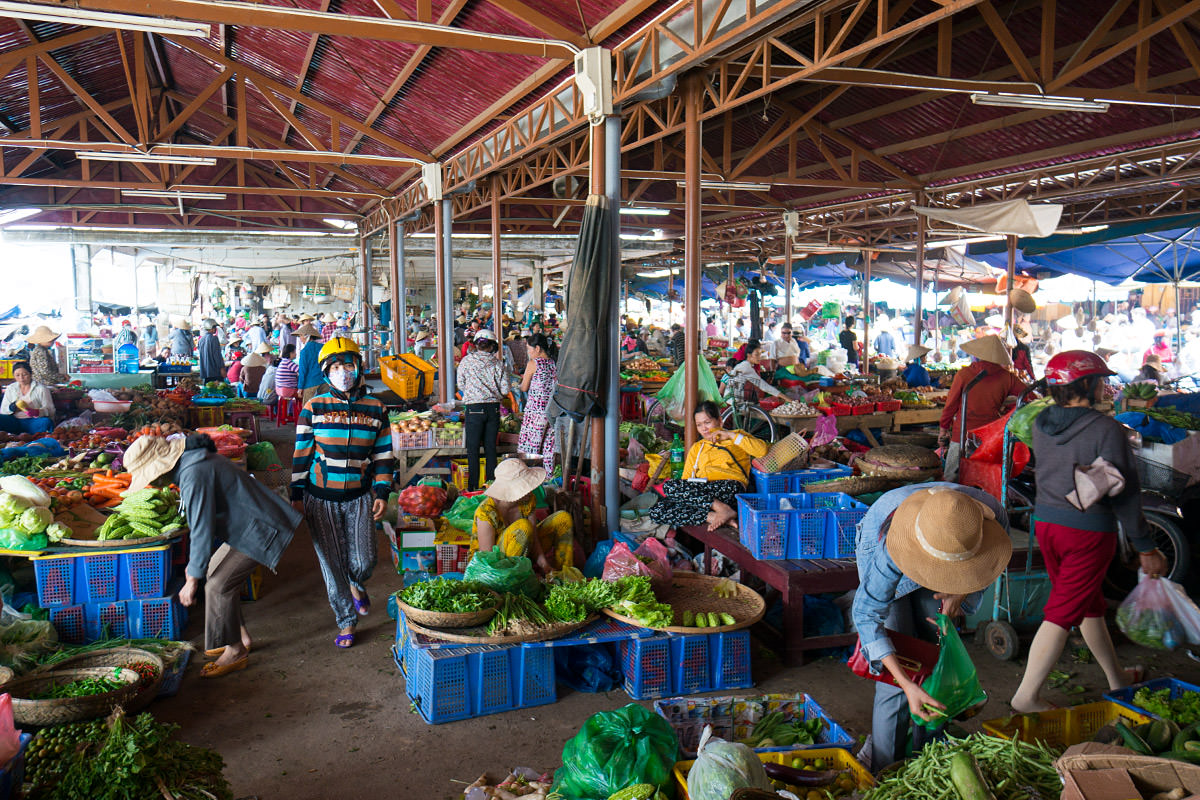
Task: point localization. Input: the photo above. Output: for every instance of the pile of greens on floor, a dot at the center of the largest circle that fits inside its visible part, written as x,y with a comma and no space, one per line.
121,759
978,766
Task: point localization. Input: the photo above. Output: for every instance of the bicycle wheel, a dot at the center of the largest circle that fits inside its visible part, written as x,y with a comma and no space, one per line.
1168,537
752,419
665,427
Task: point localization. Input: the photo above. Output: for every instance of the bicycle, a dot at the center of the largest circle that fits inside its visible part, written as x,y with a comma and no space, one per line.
743,414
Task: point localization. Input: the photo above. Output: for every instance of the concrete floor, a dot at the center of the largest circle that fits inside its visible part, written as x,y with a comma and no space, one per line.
308,722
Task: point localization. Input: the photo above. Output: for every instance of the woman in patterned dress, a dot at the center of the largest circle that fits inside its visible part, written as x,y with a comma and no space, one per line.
541,376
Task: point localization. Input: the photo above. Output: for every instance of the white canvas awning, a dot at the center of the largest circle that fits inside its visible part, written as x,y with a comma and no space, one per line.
1007,218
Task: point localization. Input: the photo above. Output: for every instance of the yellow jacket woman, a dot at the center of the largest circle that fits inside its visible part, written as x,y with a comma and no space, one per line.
715,472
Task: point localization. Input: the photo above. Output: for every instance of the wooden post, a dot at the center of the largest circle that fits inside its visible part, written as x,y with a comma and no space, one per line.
865,368
497,302
918,323
445,390
1012,273
396,284
787,279
691,255
596,178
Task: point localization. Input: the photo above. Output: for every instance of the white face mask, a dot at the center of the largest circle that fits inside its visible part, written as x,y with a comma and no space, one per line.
342,380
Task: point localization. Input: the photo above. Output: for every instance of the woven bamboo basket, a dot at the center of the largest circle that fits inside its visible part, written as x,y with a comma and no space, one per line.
692,592
115,657
900,461
854,486
790,452
914,438
59,711
273,478
479,634
447,619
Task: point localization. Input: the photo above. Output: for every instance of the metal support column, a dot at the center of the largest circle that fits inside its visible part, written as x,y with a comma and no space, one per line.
597,176
1012,274
538,301
396,285
364,304
865,367
497,298
446,312
612,421
691,255
787,280
918,321
444,326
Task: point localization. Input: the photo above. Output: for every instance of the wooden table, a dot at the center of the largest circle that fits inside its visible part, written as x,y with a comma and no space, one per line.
794,580
915,416
848,422
410,463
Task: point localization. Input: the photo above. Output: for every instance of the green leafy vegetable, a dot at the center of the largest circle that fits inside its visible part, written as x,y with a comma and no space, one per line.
574,602
1183,710
447,595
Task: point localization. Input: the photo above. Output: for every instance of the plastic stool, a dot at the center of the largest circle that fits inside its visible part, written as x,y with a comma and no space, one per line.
247,420
287,411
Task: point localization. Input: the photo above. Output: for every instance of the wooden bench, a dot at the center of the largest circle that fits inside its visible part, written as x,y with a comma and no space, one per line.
793,580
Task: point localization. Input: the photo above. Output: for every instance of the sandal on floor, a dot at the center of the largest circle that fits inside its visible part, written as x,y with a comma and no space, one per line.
217,651
344,641
215,670
363,606
1136,673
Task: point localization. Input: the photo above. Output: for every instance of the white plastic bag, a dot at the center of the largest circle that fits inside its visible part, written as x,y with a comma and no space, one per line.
1185,609
721,767
1148,617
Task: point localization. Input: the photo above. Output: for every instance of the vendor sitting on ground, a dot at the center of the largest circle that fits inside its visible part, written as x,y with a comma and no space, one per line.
942,544
505,518
28,406
715,472
915,373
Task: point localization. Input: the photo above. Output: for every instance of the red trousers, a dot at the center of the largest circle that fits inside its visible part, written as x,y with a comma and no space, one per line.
1076,561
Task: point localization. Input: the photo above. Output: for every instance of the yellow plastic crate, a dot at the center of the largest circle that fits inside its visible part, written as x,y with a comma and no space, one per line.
835,758
6,368
409,376
1063,727
458,473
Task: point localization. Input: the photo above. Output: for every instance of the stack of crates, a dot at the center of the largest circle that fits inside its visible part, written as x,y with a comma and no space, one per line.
799,526
683,664
110,594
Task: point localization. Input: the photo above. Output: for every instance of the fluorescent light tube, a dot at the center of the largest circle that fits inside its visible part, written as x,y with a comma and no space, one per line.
1045,102
169,195
343,224
739,185
143,158
641,211
12,215
103,19
658,273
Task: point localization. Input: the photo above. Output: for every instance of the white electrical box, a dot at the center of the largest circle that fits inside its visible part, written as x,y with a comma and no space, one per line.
593,78
431,176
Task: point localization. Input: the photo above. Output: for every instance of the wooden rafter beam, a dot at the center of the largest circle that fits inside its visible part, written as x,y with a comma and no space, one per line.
302,74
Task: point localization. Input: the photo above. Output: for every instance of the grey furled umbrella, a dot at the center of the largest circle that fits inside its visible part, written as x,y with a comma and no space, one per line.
583,360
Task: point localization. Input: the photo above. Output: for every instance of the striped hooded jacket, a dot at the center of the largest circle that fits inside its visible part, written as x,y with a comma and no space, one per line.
343,447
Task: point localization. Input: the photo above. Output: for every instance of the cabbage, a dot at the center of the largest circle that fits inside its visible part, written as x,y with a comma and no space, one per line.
24,489
35,520
722,767
56,532
12,506
1020,425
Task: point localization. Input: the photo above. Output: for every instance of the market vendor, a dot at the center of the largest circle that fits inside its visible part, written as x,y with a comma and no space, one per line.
942,544
915,374
985,400
506,518
746,372
181,339
1021,355
42,358
212,365
790,351
235,524
1077,517
538,382
341,478
715,472
309,378
27,406
1160,348
254,366
1153,370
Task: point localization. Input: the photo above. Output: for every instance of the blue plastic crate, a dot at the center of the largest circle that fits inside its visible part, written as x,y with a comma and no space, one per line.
438,683
691,672
13,774
729,655
106,620
70,623
55,581
647,665
1124,696
155,618
535,676
733,719
491,675
763,526
143,573
847,513
96,578
793,481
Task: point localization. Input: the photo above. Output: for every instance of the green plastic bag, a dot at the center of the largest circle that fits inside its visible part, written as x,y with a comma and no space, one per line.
261,456
953,682
617,749
672,394
13,539
500,573
1020,424
462,514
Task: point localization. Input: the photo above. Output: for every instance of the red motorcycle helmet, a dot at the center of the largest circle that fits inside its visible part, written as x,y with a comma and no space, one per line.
1071,365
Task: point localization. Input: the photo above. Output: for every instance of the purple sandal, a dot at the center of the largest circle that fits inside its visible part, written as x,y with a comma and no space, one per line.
363,607
343,641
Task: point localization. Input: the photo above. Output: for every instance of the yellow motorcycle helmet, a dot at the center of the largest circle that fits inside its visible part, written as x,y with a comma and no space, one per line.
338,345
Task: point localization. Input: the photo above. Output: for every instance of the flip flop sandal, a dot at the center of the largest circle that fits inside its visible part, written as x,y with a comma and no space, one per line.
215,670
344,641
217,651
363,606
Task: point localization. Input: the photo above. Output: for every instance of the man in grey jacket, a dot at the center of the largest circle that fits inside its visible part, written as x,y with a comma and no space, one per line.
236,524
212,365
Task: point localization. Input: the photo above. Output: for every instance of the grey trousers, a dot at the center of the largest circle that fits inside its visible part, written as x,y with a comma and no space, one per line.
953,457
343,534
890,719
227,573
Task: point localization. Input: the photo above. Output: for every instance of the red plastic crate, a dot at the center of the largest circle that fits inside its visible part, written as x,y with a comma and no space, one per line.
862,409
841,409
888,406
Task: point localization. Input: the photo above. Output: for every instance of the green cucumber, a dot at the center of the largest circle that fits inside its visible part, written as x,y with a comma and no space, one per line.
966,778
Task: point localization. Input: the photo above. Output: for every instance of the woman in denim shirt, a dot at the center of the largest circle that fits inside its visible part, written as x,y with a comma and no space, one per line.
942,544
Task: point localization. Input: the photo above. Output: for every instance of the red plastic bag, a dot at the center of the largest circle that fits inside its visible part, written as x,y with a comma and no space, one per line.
10,737
651,559
422,501
991,440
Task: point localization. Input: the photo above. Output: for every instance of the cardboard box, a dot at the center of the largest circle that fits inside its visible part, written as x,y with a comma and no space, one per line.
1149,775
1099,784
409,540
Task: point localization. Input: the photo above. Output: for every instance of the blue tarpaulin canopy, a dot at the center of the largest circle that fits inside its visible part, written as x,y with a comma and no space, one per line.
1138,251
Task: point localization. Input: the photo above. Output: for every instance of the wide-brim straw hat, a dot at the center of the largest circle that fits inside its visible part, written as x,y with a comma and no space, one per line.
42,335
184,325
307,330
916,351
1022,301
1154,361
254,360
1105,352
327,317
948,541
305,318
151,456
514,481
263,349
989,348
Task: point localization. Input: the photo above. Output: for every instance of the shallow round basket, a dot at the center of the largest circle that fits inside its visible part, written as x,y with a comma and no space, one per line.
854,486
692,592
112,406
478,634
447,619
115,657
903,462
914,438
59,711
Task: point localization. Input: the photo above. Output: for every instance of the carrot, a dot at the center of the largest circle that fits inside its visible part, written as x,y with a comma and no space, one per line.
116,501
